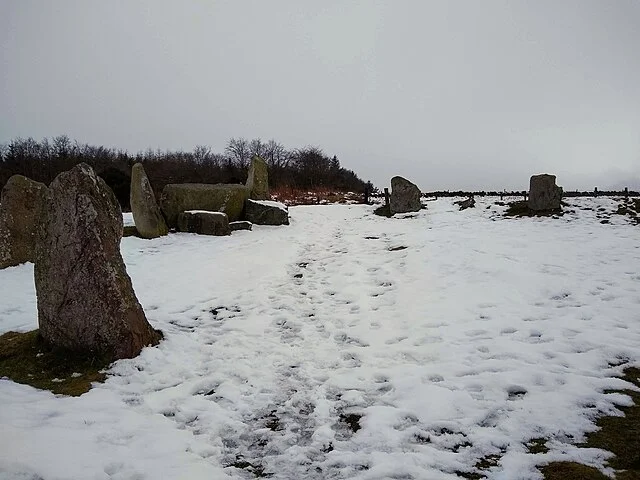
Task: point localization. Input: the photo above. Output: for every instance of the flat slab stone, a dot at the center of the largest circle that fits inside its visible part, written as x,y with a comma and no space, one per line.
266,212
242,225
180,197
204,222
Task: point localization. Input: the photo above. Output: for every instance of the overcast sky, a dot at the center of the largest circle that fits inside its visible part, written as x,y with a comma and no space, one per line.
450,94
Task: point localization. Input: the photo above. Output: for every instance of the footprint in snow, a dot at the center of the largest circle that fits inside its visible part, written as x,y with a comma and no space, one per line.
343,338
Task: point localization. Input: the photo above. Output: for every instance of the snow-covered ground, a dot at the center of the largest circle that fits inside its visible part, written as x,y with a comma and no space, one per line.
454,335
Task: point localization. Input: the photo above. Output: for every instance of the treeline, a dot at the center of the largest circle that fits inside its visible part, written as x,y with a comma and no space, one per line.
300,168
521,193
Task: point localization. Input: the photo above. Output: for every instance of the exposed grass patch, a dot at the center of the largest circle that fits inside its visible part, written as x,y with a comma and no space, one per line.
26,358
630,208
537,445
619,435
571,471
383,211
521,209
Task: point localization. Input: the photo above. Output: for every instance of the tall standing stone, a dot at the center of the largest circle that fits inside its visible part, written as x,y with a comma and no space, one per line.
86,302
405,196
20,210
146,213
544,194
258,180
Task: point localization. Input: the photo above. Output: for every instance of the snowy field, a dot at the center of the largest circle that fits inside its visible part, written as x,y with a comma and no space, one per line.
348,345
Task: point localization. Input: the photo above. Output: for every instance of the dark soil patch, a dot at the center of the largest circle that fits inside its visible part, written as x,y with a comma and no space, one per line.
256,469
273,422
352,420
26,358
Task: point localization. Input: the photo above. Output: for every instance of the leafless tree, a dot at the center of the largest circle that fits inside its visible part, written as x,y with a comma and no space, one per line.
238,150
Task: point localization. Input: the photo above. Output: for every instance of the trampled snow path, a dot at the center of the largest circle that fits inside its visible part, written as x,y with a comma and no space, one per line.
444,338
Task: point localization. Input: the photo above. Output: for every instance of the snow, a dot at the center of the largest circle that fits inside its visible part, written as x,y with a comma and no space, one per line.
206,211
480,335
271,203
127,218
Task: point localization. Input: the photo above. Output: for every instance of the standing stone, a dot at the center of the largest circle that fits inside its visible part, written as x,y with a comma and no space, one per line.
146,213
204,223
266,212
20,210
86,302
258,180
405,196
180,197
544,194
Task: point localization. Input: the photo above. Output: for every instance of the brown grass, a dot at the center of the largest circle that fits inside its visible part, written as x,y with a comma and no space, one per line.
291,196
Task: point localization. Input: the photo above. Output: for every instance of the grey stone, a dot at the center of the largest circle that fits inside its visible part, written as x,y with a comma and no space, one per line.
266,212
242,225
20,210
146,213
544,194
86,302
204,223
258,180
177,198
405,196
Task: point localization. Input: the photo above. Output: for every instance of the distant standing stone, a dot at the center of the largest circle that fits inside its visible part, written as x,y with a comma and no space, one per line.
258,180
242,225
405,196
544,194
146,213
264,212
204,222
20,210
86,302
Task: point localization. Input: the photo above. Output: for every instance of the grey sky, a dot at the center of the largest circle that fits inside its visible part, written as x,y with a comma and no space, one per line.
451,94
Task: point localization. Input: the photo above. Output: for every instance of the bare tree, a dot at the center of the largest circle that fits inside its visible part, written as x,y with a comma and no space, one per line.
202,154
239,152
